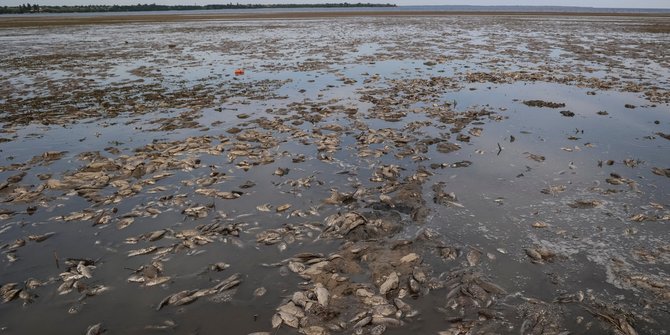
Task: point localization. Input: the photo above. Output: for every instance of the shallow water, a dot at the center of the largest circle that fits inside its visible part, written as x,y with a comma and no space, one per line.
341,92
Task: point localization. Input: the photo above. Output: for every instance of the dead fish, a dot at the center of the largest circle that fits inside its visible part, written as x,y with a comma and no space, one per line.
157,189
276,320
136,279
533,254
283,207
9,292
228,283
291,314
131,240
389,284
296,267
185,300
619,322
322,295
142,251
156,235
490,287
41,238
414,286
33,283
11,257
473,257
172,299
661,172
538,255
84,270
540,224
156,281
26,296
363,322
153,211
264,208
123,223
18,243
401,305
281,172
102,219
639,218
625,327
65,287
409,258
220,266
270,237
95,290
95,329
197,211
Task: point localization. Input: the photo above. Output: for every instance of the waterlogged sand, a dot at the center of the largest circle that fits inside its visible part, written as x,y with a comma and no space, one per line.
378,174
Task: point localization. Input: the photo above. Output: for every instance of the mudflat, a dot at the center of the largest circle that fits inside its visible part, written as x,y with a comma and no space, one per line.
326,173
115,18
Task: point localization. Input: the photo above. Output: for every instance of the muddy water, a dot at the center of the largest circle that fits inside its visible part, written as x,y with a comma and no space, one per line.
405,146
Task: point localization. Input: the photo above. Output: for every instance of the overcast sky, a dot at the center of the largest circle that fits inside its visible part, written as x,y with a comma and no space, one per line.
585,3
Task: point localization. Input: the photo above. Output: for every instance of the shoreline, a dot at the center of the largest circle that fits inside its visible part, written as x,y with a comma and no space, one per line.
66,20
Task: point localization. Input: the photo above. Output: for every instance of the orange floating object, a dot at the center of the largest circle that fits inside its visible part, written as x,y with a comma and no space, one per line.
239,72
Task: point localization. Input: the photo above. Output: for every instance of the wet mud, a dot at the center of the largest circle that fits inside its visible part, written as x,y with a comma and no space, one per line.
383,175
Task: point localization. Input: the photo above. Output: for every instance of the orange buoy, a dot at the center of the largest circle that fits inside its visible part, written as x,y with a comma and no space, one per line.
239,72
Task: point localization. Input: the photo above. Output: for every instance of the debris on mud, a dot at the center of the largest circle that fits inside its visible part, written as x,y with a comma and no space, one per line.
542,103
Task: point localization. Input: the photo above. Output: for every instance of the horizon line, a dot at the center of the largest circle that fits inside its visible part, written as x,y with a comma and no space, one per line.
278,5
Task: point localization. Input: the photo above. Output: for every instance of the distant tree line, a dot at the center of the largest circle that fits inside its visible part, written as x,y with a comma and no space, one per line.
28,8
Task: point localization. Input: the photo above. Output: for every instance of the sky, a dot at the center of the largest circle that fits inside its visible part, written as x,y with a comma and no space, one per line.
583,3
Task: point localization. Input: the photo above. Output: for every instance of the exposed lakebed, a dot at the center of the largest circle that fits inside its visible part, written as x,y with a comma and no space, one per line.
440,175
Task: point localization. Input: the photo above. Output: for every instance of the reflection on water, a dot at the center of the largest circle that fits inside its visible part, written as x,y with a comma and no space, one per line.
123,130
